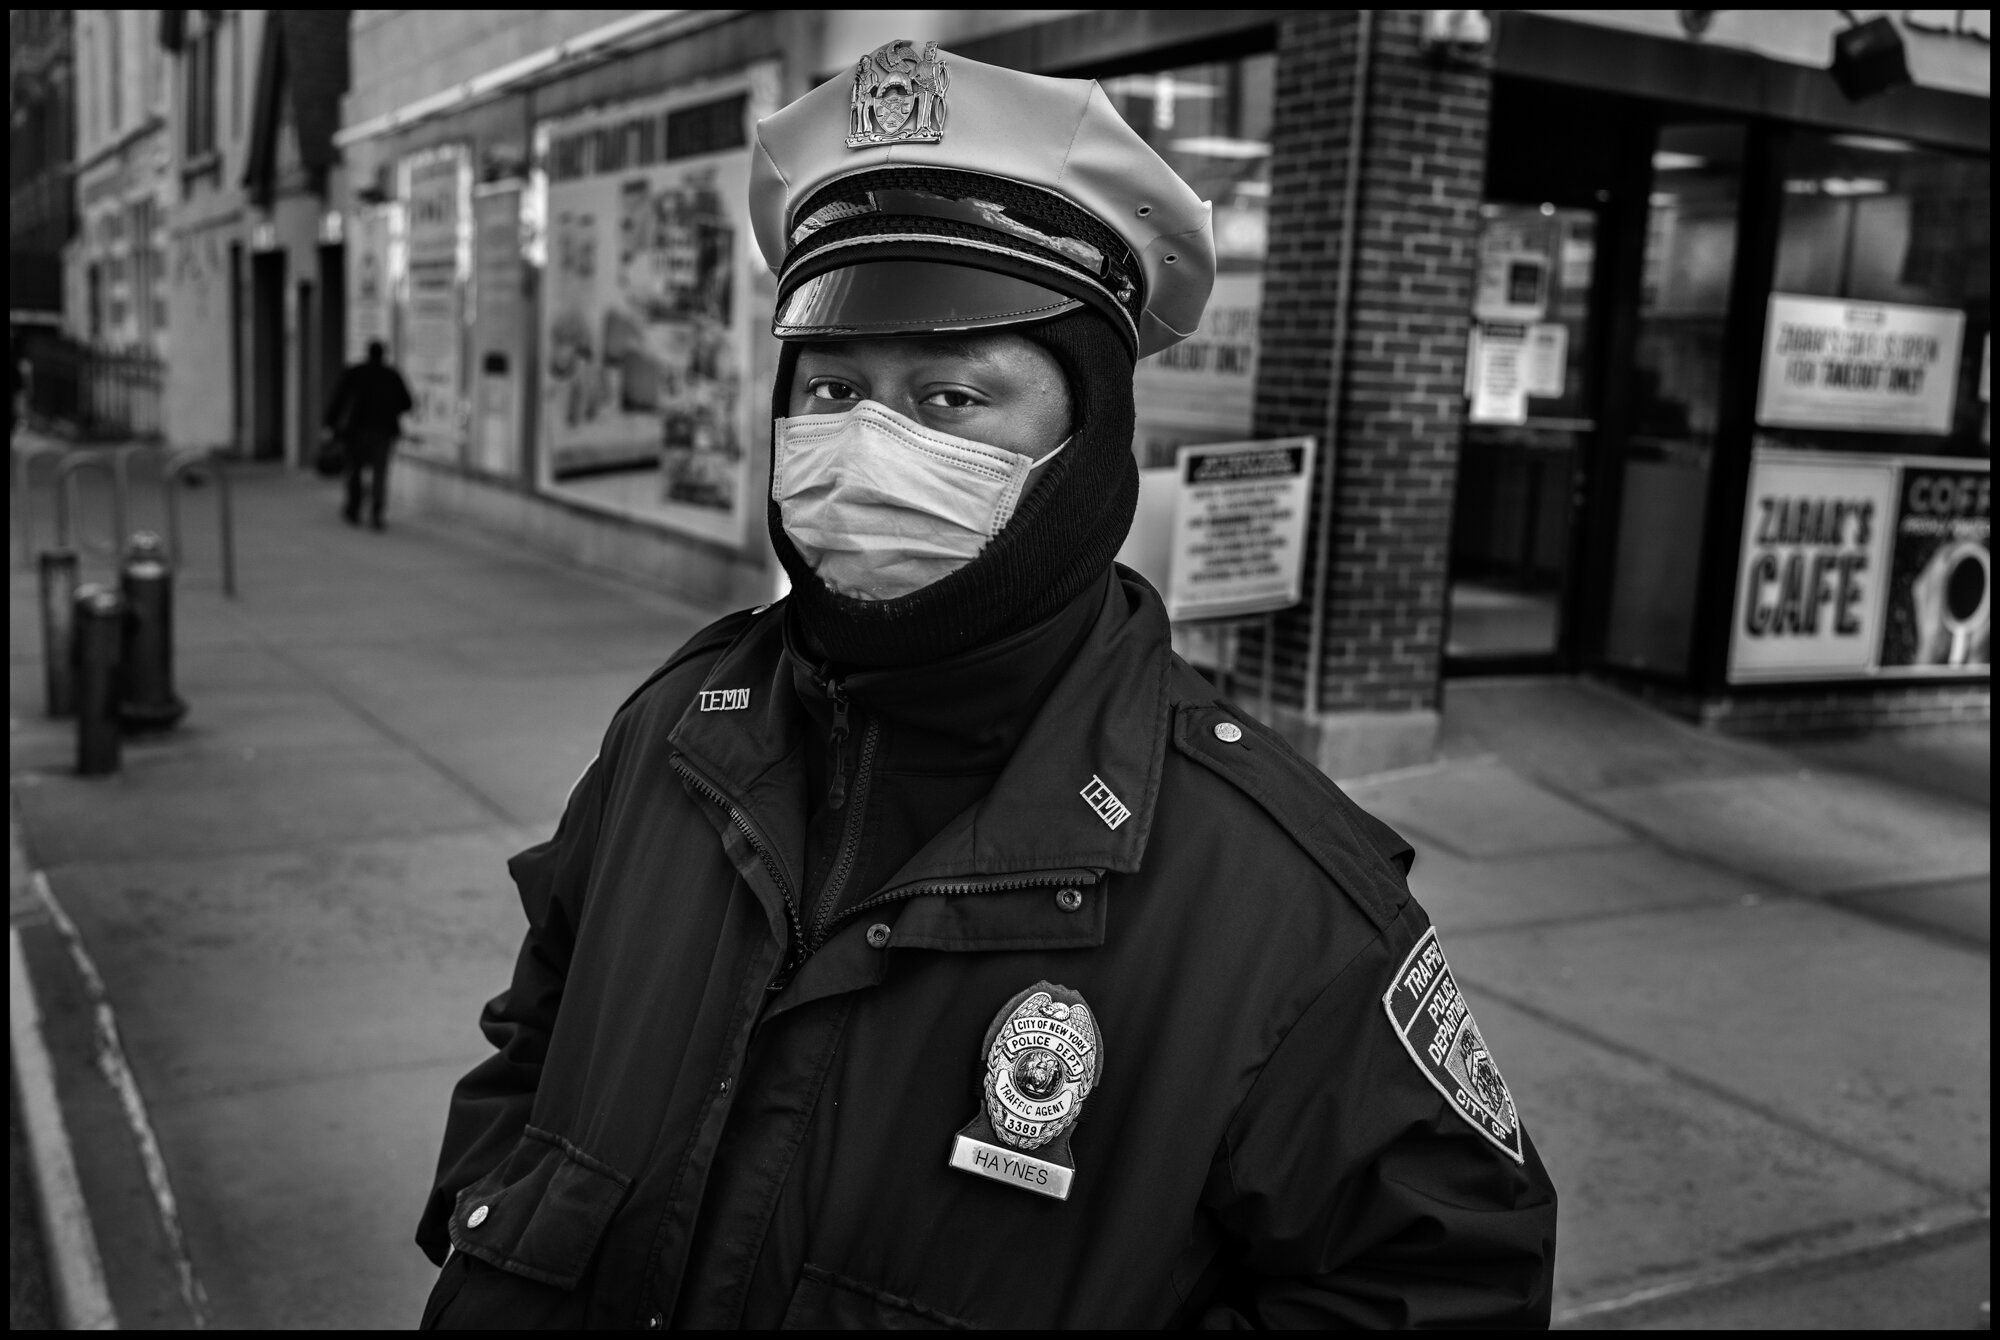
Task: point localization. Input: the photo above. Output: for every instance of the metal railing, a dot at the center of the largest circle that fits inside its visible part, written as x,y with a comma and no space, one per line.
180,470
190,467
101,392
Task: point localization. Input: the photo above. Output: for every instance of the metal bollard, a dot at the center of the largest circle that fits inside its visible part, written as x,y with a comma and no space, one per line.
146,580
100,633
59,569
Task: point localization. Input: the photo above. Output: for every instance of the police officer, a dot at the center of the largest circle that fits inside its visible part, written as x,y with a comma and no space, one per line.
934,947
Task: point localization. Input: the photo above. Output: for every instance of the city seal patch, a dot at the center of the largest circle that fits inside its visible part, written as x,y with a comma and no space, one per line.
1430,1015
1043,1057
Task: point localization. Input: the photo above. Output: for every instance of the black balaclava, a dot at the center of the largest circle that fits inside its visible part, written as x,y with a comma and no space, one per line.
1061,537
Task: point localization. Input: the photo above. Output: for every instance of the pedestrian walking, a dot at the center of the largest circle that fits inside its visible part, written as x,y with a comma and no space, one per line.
366,414
933,947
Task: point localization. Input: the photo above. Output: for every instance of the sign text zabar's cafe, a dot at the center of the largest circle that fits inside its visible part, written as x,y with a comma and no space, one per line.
1862,567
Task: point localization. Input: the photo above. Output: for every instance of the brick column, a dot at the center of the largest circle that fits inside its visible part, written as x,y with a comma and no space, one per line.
1396,433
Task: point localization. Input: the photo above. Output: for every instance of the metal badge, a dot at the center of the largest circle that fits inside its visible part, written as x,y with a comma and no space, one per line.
898,96
1043,1057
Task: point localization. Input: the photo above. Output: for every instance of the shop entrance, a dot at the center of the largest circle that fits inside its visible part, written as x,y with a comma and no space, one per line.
1529,427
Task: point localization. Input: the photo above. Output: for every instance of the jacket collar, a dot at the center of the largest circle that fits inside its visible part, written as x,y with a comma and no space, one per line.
1078,792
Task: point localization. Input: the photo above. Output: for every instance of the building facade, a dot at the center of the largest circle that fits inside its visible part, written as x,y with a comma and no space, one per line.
115,268
41,161
1631,342
209,53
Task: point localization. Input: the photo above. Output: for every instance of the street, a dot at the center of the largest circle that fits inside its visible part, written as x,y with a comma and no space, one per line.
1740,989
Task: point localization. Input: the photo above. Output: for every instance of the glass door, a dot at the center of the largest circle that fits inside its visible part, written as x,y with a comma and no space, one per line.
1527,434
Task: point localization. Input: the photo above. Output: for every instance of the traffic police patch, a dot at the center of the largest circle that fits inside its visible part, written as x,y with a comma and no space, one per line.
1043,1057
1430,1015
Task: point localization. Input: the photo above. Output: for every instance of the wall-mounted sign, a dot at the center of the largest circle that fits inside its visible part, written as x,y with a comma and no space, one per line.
1239,528
1861,567
1859,366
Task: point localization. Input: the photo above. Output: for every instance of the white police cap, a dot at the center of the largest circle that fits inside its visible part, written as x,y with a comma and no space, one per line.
925,192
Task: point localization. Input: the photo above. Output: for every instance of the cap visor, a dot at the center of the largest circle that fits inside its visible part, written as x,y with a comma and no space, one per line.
911,297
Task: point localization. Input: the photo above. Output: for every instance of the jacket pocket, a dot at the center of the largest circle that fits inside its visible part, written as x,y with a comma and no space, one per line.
826,1301
539,1214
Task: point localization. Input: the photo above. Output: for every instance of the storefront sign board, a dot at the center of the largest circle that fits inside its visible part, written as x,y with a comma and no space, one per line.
1862,567
1239,528
1859,366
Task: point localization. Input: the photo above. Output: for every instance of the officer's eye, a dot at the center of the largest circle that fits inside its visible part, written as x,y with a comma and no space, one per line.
951,399
830,388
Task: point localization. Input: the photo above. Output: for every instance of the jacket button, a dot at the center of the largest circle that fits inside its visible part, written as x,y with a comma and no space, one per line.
878,936
476,1218
1069,899
655,1322
722,1087
1228,732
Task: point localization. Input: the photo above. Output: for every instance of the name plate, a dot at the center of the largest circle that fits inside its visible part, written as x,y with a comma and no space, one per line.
1011,1166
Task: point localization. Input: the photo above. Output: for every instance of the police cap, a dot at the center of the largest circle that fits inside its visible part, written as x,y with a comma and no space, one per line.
925,192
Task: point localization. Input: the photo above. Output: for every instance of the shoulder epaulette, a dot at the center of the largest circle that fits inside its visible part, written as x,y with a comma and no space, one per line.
1359,852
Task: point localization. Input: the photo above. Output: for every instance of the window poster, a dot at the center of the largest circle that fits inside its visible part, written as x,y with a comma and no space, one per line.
651,405
368,282
1202,389
1863,567
436,198
1859,366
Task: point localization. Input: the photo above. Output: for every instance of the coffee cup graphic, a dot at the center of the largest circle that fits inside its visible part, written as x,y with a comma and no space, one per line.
1968,597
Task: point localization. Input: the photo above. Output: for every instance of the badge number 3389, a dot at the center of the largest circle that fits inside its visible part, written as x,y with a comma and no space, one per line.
1043,1056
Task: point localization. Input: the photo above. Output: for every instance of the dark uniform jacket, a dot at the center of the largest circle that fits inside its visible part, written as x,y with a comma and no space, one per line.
768,940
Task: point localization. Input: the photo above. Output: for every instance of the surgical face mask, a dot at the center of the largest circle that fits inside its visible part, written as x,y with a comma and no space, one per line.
881,506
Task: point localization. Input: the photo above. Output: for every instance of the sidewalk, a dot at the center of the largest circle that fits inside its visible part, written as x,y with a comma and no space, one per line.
1741,991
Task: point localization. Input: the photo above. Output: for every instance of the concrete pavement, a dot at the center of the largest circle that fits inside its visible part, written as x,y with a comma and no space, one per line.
1741,990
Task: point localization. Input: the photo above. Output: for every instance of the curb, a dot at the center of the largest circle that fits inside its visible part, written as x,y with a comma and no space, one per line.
76,1272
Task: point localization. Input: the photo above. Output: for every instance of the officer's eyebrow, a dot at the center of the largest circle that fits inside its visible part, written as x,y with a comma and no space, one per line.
971,348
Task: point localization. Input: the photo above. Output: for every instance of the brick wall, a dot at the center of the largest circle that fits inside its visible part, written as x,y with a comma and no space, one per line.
1423,157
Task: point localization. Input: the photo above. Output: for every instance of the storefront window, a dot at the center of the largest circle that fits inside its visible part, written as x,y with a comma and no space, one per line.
1212,123
1881,301
1866,548
1676,397
653,360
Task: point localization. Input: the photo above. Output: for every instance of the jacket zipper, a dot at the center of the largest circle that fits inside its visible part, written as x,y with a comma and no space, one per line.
836,786
850,840
795,951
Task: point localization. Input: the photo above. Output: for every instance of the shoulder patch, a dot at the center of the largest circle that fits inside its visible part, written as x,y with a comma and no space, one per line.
1430,1015
1359,852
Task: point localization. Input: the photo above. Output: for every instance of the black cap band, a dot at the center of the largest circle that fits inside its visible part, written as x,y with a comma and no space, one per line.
905,297
903,250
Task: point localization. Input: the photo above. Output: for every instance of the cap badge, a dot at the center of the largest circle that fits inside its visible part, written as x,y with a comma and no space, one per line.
1043,1055
898,96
